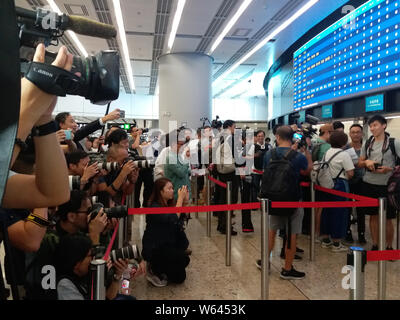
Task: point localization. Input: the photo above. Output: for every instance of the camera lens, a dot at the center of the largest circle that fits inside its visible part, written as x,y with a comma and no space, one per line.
116,212
128,252
74,183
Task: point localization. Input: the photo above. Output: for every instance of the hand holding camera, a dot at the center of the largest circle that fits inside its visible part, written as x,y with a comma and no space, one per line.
98,224
127,168
183,196
90,171
113,115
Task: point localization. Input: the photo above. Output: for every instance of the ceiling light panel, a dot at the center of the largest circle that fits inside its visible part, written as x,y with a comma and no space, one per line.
175,23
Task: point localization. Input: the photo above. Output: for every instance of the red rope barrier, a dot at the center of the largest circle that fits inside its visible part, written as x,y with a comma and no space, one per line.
383,255
326,204
223,185
305,184
107,254
343,194
258,171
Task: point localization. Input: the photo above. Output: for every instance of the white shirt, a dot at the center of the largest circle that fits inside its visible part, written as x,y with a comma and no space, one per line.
339,162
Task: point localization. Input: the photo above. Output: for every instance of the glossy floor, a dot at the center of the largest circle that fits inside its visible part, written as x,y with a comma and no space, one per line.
209,278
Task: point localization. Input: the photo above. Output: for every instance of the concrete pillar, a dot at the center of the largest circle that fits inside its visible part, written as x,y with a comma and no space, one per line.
185,93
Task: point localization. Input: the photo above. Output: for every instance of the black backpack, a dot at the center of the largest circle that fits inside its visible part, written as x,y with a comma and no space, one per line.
280,181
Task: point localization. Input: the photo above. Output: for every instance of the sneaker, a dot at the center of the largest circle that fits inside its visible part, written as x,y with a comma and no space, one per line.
298,250
389,248
247,228
349,238
258,264
326,244
154,280
292,274
361,238
223,231
339,248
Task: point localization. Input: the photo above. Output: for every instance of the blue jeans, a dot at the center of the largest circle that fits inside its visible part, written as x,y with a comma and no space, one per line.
334,221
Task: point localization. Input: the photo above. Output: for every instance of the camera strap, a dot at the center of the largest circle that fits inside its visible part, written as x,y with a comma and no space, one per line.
51,79
10,87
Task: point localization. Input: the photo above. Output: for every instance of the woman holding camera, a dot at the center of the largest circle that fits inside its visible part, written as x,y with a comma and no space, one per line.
164,240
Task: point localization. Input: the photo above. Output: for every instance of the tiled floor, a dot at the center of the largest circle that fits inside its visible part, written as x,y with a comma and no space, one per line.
209,278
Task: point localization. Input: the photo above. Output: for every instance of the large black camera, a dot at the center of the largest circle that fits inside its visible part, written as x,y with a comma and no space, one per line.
128,252
74,182
102,163
306,131
98,78
115,212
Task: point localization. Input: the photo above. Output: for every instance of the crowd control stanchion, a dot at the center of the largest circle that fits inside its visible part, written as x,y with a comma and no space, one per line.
357,259
121,232
98,272
228,223
264,249
312,227
382,246
196,197
208,195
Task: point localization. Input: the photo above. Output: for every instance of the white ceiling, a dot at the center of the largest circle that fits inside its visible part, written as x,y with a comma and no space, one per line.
140,25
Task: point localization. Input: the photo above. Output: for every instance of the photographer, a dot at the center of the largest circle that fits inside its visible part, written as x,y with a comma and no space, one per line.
164,240
49,186
67,122
122,181
260,148
72,218
78,165
73,257
145,174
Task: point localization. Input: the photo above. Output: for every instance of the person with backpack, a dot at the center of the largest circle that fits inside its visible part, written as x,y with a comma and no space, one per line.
355,184
340,169
319,147
379,155
281,182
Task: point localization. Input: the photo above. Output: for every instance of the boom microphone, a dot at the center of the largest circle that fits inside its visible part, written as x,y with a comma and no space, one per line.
90,27
52,21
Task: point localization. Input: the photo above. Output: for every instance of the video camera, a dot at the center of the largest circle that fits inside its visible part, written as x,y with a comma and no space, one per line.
216,124
306,131
99,74
115,212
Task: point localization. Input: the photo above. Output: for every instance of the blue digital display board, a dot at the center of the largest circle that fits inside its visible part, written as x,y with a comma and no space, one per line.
374,103
327,111
357,55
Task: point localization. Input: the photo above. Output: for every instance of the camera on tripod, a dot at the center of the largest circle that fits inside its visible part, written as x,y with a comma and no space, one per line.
99,74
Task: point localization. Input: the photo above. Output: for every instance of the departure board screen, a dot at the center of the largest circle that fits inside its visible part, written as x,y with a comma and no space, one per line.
359,54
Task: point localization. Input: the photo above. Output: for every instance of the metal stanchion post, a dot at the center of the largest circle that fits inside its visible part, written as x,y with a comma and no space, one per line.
121,232
196,196
98,273
357,259
208,194
264,249
312,227
228,223
382,246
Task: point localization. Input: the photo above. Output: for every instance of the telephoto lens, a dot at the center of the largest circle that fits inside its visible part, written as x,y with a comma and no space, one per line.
95,199
117,212
143,164
128,252
74,183
108,166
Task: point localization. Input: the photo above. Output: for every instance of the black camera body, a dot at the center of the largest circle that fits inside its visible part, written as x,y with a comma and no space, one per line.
115,212
99,74
307,129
